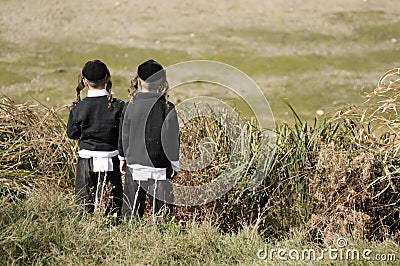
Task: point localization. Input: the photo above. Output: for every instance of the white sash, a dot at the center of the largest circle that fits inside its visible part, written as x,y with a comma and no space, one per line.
144,173
102,160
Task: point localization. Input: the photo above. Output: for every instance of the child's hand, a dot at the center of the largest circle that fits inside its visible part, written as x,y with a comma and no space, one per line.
122,166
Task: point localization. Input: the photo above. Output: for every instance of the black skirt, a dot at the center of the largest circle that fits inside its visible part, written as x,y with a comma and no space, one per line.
98,191
135,196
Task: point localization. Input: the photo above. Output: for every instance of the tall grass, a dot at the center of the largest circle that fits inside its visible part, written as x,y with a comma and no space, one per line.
45,229
33,146
335,176
323,178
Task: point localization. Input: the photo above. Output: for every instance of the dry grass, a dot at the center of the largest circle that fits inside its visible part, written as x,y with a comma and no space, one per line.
337,176
358,181
33,146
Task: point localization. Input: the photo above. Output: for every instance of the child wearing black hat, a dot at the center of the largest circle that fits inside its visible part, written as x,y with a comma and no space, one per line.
150,143
95,122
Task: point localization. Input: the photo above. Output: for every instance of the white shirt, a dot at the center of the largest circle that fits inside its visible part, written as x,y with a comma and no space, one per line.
98,93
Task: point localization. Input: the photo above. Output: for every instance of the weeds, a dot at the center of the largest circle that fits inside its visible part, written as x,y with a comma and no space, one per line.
33,146
336,176
46,229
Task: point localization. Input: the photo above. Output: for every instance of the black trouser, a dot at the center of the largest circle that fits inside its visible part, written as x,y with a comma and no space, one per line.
135,196
106,188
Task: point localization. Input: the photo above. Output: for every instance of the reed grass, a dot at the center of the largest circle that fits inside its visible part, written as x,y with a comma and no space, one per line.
33,146
335,176
338,175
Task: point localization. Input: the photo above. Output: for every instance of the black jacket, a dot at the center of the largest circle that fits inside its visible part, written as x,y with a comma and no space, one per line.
96,126
149,131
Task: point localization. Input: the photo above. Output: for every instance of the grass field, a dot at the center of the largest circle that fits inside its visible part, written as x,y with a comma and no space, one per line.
334,175
316,55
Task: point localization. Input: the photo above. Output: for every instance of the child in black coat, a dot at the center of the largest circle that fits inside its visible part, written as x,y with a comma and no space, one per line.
95,122
150,143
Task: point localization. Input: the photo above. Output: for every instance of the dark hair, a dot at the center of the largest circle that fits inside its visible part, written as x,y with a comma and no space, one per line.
96,74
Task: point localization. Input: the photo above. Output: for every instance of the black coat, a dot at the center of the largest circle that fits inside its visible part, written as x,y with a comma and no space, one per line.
94,125
149,131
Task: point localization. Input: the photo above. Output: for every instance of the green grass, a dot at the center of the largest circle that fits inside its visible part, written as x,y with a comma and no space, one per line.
49,72
9,77
326,179
292,66
60,72
54,71
377,33
44,228
115,57
239,38
282,37
359,17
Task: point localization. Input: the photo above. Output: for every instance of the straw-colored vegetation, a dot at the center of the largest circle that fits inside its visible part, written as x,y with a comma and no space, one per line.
328,178
34,147
336,177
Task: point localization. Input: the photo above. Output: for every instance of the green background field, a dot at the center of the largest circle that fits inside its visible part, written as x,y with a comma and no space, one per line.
316,55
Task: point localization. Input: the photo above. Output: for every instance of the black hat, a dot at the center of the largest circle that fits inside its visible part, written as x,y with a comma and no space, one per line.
95,71
150,71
